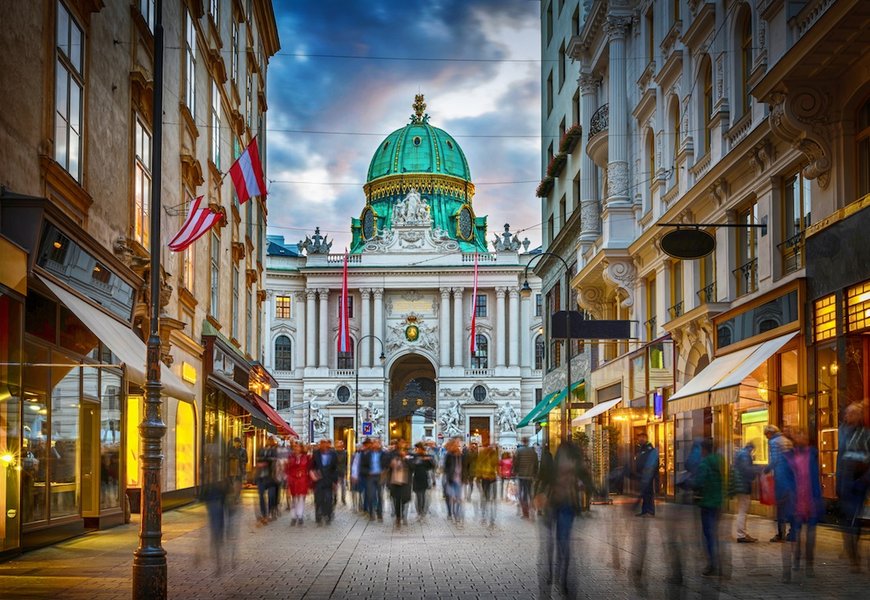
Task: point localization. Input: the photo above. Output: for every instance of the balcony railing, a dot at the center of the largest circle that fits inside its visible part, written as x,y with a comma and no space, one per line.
599,120
792,251
342,372
747,277
651,328
475,372
707,294
676,310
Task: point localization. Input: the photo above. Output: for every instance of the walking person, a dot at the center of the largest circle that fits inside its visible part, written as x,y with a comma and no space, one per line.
356,485
708,484
422,466
505,472
525,469
453,480
341,471
777,446
237,466
323,469
399,477
487,472
469,469
853,477
742,475
646,472
298,482
804,504
371,466
265,478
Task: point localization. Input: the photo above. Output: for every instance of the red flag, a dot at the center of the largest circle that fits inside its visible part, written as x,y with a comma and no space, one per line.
343,320
199,220
474,312
247,173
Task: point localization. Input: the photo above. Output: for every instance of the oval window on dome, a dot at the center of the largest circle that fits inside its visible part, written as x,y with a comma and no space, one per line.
417,140
386,145
465,225
450,144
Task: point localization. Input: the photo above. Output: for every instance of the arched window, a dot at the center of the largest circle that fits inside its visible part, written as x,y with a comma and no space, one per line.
283,354
480,360
345,359
707,102
745,29
539,352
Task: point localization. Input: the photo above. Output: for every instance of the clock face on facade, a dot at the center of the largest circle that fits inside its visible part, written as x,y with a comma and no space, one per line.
466,227
368,223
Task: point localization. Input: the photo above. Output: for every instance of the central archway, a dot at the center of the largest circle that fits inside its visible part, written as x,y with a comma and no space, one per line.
412,399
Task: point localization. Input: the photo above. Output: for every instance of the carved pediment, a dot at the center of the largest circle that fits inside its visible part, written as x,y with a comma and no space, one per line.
191,171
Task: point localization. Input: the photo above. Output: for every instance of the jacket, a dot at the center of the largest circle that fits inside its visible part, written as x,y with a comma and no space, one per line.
646,465
778,445
743,473
525,464
296,469
365,463
487,464
421,466
708,481
791,502
323,474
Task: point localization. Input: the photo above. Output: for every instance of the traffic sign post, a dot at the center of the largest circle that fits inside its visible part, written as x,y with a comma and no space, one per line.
367,428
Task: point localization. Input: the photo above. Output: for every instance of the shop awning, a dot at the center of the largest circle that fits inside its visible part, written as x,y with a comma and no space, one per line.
545,406
598,409
529,418
280,424
121,340
719,383
258,419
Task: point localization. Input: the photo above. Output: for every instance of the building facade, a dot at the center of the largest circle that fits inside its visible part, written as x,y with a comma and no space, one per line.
76,171
748,118
411,374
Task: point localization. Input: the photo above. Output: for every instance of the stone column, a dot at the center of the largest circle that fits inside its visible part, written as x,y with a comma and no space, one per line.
590,209
514,326
524,337
500,330
458,328
301,329
444,327
378,293
323,334
310,329
365,357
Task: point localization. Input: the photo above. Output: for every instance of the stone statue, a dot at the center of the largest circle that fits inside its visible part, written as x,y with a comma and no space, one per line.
316,244
318,421
507,418
508,242
412,210
451,419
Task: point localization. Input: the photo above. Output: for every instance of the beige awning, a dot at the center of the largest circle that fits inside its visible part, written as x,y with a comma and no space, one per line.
719,383
598,409
121,340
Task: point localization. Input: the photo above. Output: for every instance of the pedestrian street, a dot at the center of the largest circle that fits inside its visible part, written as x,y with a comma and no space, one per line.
357,558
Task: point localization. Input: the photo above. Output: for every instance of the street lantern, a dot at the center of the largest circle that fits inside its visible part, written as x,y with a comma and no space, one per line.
526,290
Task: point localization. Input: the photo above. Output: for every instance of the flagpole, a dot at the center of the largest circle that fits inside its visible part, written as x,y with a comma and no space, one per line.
149,559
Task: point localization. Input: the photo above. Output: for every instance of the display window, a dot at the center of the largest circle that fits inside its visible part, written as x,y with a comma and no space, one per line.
10,422
185,446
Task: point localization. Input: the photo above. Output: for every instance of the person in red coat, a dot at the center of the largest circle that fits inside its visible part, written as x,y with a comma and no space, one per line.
298,481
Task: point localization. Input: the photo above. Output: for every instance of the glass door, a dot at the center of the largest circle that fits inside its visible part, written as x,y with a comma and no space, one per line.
90,467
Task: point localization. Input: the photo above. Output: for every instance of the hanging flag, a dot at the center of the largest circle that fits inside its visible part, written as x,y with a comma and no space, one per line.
474,312
247,174
199,220
343,319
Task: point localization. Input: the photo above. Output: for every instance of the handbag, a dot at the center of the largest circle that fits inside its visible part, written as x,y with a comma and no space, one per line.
766,490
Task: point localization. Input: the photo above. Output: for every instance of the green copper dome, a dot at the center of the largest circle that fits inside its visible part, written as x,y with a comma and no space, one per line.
419,148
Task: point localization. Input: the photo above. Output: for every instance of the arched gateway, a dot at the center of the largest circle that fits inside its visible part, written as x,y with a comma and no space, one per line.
412,399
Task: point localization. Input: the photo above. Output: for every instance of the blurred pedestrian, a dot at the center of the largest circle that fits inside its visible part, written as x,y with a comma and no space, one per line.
853,477
525,469
370,468
265,478
452,480
709,482
804,504
356,483
469,469
487,472
505,472
646,472
282,453
298,482
323,469
237,465
777,446
422,466
743,474
399,477
341,471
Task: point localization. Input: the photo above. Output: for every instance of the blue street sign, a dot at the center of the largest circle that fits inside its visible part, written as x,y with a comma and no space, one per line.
367,428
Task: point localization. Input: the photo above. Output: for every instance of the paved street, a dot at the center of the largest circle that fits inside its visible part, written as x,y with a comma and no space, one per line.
355,558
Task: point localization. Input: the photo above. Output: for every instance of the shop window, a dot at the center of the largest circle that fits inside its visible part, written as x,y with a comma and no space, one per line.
185,446
824,318
135,412
282,307
858,307
12,456
283,353
827,408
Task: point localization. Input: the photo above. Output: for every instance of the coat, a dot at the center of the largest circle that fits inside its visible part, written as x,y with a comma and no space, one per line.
296,469
323,475
709,480
399,477
421,466
790,485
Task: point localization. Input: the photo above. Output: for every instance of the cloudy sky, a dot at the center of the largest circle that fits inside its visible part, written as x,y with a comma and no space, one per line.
316,86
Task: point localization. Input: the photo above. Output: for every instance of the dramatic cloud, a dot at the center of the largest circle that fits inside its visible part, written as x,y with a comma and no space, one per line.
316,178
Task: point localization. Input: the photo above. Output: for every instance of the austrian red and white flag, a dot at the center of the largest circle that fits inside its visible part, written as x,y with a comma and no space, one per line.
343,320
247,174
199,220
474,312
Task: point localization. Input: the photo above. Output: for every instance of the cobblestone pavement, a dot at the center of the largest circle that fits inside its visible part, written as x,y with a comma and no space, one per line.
355,558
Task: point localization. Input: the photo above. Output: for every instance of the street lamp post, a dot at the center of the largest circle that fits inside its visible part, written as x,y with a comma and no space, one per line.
149,559
357,428
526,291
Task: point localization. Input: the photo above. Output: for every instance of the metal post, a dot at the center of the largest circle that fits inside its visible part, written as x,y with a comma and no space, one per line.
149,559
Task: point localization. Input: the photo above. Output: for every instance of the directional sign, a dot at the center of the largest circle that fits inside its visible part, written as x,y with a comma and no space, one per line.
367,428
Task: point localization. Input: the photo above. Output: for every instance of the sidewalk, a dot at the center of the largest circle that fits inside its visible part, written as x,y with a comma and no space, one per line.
356,558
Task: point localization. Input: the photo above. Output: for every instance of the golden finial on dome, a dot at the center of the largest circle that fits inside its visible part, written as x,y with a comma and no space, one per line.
419,107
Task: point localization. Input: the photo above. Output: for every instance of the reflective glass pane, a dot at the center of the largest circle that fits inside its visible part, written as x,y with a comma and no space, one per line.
64,445
10,423
110,439
76,47
34,443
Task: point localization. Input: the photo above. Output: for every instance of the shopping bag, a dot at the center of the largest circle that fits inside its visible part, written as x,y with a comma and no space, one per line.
766,489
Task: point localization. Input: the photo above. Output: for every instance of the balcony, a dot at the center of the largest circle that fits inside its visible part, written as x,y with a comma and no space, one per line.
792,252
475,372
747,277
596,147
707,294
676,311
340,373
